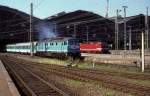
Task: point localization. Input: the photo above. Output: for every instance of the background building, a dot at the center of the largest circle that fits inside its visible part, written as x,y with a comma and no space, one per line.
14,26
84,25
135,26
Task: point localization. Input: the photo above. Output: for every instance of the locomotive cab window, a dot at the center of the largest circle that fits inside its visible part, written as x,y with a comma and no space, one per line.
73,42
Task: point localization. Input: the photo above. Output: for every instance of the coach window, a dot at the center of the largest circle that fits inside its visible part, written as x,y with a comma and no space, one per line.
56,43
65,43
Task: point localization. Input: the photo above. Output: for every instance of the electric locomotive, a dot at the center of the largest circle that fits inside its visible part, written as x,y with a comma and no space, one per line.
94,47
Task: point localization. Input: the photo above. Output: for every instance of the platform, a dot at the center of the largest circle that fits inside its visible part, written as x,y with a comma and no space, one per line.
7,87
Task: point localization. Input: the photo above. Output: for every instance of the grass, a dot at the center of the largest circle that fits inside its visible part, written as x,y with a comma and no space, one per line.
88,65
91,88
44,60
141,82
112,67
119,70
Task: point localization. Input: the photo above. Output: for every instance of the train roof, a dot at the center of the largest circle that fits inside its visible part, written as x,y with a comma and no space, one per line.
24,43
46,40
58,39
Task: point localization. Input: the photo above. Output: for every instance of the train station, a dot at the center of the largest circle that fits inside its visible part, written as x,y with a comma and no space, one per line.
74,52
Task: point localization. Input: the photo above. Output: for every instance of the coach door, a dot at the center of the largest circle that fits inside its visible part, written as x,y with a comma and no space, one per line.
46,46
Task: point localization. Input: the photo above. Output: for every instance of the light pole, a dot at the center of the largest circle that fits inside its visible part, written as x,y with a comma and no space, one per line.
87,33
147,28
130,37
31,29
143,58
117,30
125,33
107,8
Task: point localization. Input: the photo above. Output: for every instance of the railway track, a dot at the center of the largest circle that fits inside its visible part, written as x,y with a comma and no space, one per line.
85,75
112,73
32,84
108,81
125,75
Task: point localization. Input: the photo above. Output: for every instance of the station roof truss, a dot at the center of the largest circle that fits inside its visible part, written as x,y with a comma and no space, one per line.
14,25
76,17
66,22
134,26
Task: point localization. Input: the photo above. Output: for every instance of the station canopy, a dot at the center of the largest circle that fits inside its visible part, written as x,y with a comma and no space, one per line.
81,22
14,26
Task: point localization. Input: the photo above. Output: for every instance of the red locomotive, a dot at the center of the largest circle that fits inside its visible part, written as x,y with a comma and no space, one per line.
94,47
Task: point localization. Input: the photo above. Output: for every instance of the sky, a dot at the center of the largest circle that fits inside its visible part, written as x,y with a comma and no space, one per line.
46,8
